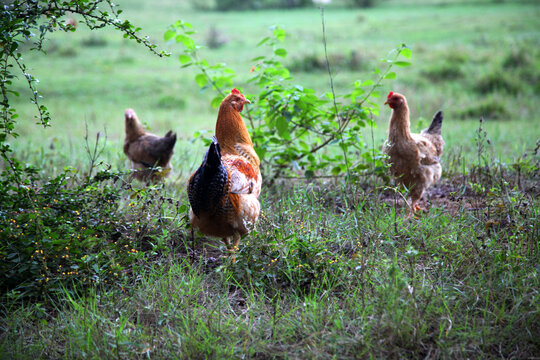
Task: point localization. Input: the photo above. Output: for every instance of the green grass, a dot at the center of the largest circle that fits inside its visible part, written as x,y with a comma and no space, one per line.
333,270
329,272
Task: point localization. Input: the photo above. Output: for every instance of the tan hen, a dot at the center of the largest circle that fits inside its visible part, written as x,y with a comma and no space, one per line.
414,158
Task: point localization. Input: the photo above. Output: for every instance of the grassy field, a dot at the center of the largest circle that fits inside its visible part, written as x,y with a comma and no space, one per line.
334,269
469,60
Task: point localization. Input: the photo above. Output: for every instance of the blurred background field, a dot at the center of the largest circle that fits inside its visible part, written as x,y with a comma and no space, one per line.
470,58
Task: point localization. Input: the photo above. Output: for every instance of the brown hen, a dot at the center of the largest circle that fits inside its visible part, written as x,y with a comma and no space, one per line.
414,158
147,152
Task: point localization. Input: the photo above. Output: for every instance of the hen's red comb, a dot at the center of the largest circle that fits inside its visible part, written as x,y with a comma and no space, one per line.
235,91
390,94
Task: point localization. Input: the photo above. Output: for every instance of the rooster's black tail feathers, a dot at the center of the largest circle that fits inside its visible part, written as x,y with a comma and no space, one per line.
207,186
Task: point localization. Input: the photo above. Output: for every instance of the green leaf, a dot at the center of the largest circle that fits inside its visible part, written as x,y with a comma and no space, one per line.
184,59
280,52
336,170
216,101
263,41
402,63
201,80
186,40
390,75
367,83
406,52
282,127
279,34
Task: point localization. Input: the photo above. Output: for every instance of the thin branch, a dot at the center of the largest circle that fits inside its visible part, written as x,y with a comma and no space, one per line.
334,93
43,114
328,64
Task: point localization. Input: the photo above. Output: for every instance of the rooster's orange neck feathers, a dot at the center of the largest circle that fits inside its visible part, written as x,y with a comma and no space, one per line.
231,130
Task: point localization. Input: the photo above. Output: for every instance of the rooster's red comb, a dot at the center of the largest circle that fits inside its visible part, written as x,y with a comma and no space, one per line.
235,91
390,94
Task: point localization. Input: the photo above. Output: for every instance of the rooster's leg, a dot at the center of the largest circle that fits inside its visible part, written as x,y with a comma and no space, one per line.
191,253
230,248
236,238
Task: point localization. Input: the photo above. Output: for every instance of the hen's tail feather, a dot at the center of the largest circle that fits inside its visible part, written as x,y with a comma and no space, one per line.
209,183
161,149
170,140
436,124
171,135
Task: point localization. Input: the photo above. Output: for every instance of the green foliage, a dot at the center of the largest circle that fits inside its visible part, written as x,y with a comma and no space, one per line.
499,81
89,231
31,21
488,107
54,230
313,62
294,128
443,71
363,3
57,231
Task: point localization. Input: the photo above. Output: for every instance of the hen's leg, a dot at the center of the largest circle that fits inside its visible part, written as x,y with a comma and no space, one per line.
227,242
416,195
416,207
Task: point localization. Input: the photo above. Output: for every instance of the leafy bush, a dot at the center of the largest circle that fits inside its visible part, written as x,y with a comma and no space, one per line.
62,228
56,231
94,41
498,81
232,5
89,231
517,58
293,258
487,107
363,3
352,60
294,129
443,71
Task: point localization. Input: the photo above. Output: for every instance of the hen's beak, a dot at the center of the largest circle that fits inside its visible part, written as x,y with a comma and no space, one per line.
386,102
247,101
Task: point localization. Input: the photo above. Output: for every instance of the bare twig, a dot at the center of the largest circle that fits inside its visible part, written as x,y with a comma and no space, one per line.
334,93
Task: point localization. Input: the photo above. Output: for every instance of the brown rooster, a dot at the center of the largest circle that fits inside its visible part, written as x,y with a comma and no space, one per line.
414,158
147,151
223,192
